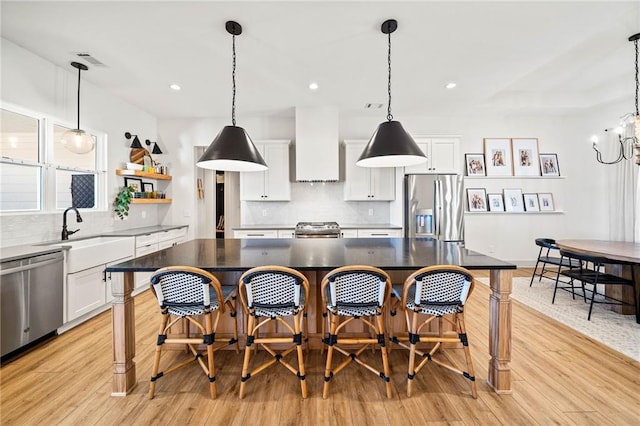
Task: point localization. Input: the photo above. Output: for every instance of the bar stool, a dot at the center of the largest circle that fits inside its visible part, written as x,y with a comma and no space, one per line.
274,293
436,292
545,258
194,297
353,293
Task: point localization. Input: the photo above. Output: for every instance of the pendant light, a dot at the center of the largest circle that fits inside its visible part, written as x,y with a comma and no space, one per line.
390,145
232,149
77,140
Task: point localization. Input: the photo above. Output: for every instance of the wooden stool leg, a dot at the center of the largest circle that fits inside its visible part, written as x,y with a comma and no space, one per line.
211,370
412,352
380,319
247,356
297,319
467,354
156,359
327,370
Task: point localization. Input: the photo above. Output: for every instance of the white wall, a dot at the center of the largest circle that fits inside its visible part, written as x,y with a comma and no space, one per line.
33,83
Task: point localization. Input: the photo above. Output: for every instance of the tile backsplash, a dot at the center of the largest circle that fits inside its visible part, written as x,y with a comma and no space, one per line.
314,202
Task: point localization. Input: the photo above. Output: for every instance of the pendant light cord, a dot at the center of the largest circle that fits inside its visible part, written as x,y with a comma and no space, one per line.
389,116
636,44
79,99
233,79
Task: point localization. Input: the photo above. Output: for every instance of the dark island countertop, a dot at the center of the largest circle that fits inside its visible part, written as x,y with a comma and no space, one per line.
309,254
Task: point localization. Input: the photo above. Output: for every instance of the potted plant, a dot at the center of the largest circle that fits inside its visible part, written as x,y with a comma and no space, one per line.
122,201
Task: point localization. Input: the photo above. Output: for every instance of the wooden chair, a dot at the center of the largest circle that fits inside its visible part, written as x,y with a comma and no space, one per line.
353,293
274,293
595,276
436,292
194,297
545,258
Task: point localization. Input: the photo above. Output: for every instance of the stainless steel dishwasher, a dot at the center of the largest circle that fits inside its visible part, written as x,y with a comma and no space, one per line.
31,299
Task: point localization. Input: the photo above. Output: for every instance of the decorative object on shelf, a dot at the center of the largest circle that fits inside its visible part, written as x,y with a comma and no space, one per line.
390,145
513,201
495,202
525,157
497,155
628,130
549,165
545,201
134,183
156,148
147,187
233,149
122,202
477,198
531,203
77,140
200,189
475,164
136,142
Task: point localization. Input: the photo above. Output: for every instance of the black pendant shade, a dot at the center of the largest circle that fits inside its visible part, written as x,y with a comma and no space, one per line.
232,150
391,146
156,149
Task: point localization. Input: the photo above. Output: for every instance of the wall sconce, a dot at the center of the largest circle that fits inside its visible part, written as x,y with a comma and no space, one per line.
628,130
136,142
156,148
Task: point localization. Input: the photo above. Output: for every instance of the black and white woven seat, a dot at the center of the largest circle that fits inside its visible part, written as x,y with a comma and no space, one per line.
355,293
191,296
429,293
274,293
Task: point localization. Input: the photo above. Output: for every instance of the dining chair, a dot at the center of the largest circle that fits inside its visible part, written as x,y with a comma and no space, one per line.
274,293
355,293
593,272
545,257
193,297
436,292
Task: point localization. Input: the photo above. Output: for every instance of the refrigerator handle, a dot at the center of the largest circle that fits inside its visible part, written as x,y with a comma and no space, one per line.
437,208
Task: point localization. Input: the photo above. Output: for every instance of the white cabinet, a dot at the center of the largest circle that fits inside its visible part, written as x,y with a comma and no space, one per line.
152,242
272,184
379,233
349,233
256,233
286,233
366,183
443,155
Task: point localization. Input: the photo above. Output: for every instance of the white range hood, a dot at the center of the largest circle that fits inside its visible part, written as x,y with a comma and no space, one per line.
316,146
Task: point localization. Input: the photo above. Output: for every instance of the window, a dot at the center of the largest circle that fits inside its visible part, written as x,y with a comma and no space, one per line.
38,174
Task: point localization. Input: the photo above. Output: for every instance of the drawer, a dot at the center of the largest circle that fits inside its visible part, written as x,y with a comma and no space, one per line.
166,244
258,233
146,239
348,233
286,233
379,233
141,251
172,234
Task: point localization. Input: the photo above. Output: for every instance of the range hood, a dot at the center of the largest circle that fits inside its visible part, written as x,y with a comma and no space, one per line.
317,147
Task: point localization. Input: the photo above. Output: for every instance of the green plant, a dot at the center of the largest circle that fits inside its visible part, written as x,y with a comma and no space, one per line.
122,201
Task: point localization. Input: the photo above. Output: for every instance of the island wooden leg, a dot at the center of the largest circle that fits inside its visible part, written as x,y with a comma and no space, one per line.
499,372
124,337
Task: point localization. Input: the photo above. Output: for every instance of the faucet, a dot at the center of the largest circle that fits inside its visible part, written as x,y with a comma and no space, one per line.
65,233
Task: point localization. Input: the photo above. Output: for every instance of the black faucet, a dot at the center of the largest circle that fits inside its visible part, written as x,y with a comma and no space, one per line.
65,233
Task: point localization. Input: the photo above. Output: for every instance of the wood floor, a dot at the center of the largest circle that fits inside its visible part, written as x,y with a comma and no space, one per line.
559,377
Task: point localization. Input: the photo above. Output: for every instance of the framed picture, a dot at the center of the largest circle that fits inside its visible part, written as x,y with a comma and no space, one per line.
475,164
531,203
525,157
545,201
549,165
497,155
147,187
513,200
134,183
495,202
477,200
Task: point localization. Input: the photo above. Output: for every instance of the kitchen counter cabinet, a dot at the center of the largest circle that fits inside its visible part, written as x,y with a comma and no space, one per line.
366,183
443,155
272,184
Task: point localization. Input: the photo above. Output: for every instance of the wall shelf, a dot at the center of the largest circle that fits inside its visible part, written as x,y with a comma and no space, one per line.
151,201
513,213
140,173
514,177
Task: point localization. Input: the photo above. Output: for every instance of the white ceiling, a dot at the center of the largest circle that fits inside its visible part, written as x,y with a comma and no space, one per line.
543,57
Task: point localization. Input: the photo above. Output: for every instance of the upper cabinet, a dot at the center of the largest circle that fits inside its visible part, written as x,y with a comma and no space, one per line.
272,184
442,155
366,183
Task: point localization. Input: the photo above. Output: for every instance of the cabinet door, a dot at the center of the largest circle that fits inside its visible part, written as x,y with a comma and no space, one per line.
349,233
357,185
444,155
256,233
425,146
85,291
142,278
382,182
277,186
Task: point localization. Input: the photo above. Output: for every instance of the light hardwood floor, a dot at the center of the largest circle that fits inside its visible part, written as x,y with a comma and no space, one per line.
559,377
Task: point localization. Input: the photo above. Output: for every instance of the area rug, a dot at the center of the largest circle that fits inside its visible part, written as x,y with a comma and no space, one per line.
619,332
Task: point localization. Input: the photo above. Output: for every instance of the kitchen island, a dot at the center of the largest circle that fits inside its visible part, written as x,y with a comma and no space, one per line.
228,258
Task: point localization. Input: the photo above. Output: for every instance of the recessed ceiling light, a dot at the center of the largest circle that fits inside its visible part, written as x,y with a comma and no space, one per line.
175,87
313,86
450,85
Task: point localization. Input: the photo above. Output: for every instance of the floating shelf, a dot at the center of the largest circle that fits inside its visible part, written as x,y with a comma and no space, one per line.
151,201
514,177
140,173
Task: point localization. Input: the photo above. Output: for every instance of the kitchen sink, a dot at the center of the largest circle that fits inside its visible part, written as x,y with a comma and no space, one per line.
89,252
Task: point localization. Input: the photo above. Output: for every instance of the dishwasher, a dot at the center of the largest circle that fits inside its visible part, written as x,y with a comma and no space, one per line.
31,290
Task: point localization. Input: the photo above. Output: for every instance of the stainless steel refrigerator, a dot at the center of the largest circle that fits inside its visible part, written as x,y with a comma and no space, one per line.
434,207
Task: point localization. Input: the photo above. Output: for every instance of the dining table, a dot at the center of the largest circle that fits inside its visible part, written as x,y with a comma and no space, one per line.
625,251
315,258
